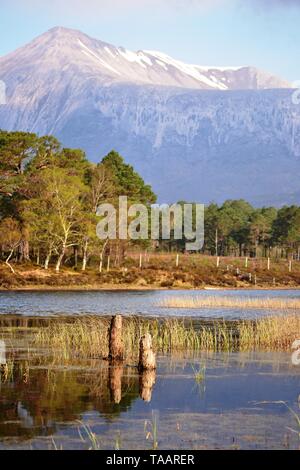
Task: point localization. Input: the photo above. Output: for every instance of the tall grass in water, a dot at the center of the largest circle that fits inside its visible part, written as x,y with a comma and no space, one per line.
270,333
235,302
88,336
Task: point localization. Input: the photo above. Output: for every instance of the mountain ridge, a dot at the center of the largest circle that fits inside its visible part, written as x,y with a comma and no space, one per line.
189,143
147,67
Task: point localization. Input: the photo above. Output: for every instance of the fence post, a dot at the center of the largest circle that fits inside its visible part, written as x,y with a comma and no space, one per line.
177,260
290,266
141,260
108,263
268,264
218,261
246,262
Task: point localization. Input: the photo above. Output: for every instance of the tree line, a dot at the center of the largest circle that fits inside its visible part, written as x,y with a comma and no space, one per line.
49,197
237,228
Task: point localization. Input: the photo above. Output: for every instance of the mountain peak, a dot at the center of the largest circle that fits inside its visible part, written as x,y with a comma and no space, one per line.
58,32
60,48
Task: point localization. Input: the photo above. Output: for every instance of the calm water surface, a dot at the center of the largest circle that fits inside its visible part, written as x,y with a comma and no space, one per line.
235,402
43,303
46,405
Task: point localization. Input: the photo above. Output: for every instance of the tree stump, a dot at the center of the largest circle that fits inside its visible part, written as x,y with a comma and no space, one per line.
116,348
147,359
146,384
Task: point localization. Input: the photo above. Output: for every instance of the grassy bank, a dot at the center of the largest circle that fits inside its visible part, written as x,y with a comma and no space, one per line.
88,336
159,271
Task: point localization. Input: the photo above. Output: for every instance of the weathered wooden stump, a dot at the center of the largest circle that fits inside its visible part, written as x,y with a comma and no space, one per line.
3,363
146,384
2,353
116,348
115,383
147,359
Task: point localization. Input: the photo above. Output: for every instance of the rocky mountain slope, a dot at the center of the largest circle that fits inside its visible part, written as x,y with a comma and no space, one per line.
194,132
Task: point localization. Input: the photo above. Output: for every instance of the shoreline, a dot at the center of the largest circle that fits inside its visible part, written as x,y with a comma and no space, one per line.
158,276
137,288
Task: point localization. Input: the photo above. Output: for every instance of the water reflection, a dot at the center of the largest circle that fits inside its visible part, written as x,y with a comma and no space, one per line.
34,404
41,400
115,383
146,383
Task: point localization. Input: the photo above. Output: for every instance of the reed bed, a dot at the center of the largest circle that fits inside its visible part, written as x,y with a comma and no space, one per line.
233,302
88,336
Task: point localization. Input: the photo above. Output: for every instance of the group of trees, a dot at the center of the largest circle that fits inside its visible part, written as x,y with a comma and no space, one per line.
49,197
236,228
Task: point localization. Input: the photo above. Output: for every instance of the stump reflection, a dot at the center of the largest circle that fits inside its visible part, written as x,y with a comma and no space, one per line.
146,383
115,382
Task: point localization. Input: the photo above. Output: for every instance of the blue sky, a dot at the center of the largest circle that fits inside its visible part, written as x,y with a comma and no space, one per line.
263,33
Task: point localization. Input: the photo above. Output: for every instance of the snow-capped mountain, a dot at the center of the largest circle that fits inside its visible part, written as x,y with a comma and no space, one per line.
194,132
65,49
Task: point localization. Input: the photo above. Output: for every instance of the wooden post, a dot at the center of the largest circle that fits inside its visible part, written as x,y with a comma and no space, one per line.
290,266
146,384
141,260
268,264
218,261
255,279
147,359
108,263
246,262
116,349
177,260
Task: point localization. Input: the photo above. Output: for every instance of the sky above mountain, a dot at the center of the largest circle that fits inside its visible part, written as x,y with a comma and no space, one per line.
263,33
